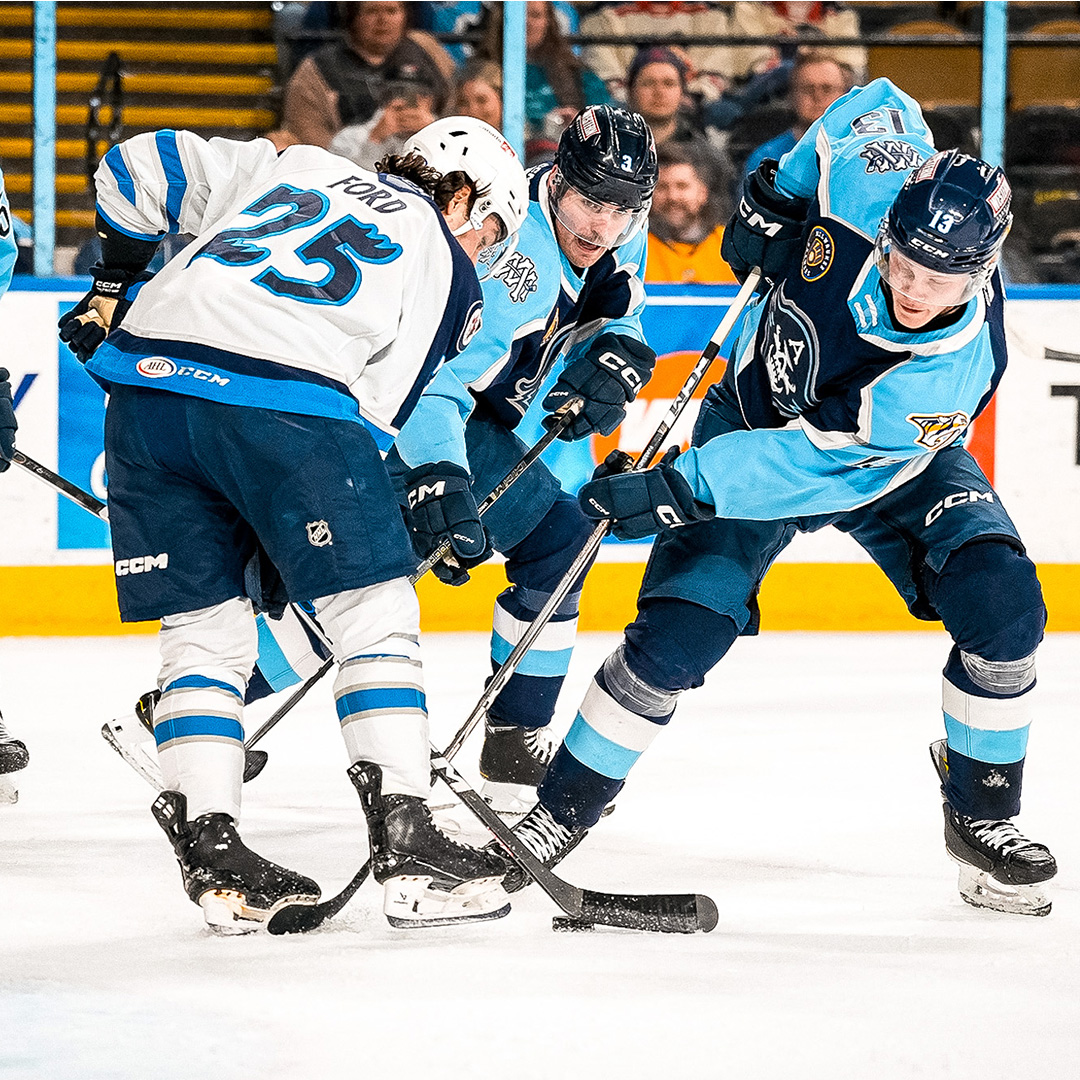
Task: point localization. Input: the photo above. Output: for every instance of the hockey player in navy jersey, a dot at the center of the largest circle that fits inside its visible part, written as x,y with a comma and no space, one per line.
253,383
566,300
13,755
853,384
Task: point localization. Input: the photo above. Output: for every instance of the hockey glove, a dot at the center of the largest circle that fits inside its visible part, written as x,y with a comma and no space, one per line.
8,424
766,228
442,507
641,503
102,309
607,377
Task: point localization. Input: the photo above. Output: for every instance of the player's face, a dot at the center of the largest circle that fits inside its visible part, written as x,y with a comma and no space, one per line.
586,229
920,295
474,241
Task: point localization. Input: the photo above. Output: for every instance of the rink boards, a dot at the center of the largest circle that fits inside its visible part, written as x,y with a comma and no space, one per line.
56,575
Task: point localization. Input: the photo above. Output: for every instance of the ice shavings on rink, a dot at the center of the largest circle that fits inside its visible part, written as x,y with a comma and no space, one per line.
795,788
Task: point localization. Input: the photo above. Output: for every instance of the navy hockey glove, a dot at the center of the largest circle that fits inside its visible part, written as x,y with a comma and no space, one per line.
641,503
607,377
766,228
102,309
8,424
442,507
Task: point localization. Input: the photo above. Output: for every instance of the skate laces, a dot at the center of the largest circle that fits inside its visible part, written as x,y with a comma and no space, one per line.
542,834
540,746
1003,836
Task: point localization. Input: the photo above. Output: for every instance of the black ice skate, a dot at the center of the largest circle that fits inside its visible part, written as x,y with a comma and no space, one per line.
1000,868
237,890
14,757
428,879
549,840
513,761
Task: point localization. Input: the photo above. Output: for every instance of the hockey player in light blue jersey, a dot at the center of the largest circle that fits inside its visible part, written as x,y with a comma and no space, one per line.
13,755
253,383
846,402
567,299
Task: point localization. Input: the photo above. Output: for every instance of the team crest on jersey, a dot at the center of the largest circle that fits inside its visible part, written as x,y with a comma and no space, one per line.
890,155
473,321
791,355
319,534
552,326
938,429
818,256
518,274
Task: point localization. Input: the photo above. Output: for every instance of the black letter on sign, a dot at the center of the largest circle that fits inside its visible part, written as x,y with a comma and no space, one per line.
1073,392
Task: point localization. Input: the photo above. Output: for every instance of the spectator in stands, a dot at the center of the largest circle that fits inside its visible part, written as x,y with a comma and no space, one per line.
817,80
790,20
657,81
557,83
343,83
686,222
479,92
407,107
709,67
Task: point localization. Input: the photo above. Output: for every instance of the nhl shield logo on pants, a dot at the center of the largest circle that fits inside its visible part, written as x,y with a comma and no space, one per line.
319,534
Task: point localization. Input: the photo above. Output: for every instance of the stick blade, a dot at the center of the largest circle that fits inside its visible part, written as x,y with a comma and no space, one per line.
254,763
685,913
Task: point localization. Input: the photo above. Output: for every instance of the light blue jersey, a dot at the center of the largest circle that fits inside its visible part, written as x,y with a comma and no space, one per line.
8,248
841,403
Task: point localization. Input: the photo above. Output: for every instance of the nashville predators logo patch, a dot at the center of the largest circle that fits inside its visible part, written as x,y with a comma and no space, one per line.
938,429
818,256
553,325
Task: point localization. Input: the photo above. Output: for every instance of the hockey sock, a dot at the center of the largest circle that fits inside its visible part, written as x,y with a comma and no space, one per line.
529,697
200,739
383,714
618,720
289,653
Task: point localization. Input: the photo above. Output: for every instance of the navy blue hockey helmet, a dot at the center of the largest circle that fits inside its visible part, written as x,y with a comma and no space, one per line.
608,155
951,217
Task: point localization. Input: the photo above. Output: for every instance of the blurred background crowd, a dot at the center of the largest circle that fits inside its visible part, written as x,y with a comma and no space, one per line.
723,85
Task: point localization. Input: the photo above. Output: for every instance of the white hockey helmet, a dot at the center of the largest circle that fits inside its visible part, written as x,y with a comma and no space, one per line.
468,145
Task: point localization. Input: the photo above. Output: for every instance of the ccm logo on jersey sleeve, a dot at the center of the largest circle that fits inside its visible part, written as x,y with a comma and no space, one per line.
142,564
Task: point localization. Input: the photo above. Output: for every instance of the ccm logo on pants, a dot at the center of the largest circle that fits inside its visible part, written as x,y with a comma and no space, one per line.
142,564
958,498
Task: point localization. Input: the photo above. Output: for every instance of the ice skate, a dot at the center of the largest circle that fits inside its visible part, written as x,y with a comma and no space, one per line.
237,890
513,761
428,879
546,838
1000,868
14,757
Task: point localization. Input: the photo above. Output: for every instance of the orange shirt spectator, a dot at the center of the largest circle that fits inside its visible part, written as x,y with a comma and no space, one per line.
686,223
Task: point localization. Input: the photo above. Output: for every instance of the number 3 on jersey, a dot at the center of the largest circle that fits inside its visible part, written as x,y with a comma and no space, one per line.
340,247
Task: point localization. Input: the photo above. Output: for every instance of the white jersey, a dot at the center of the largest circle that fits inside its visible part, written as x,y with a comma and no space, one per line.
312,286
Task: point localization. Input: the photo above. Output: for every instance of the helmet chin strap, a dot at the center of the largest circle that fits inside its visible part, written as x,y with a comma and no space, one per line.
461,230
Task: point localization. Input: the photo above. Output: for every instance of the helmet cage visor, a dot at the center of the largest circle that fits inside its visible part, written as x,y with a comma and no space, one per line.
604,224
913,278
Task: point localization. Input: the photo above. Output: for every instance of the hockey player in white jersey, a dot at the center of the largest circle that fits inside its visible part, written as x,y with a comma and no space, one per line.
847,400
253,383
13,755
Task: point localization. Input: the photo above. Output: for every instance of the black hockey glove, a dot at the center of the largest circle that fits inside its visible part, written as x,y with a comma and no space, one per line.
102,309
442,507
8,424
766,228
607,377
641,503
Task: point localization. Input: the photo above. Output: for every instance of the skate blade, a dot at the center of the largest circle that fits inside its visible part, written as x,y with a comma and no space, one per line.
510,801
410,901
9,793
227,913
980,889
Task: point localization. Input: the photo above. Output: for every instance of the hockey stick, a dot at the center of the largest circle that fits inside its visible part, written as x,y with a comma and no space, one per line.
65,487
587,553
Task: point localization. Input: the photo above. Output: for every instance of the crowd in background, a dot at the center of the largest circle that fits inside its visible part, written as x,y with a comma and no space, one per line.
367,76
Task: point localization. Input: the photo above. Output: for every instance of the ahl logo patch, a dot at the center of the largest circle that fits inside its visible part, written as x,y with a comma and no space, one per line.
518,274
319,534
155,367
818,256
938,429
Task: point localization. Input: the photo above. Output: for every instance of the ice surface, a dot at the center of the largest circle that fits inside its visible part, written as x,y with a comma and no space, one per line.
795,788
